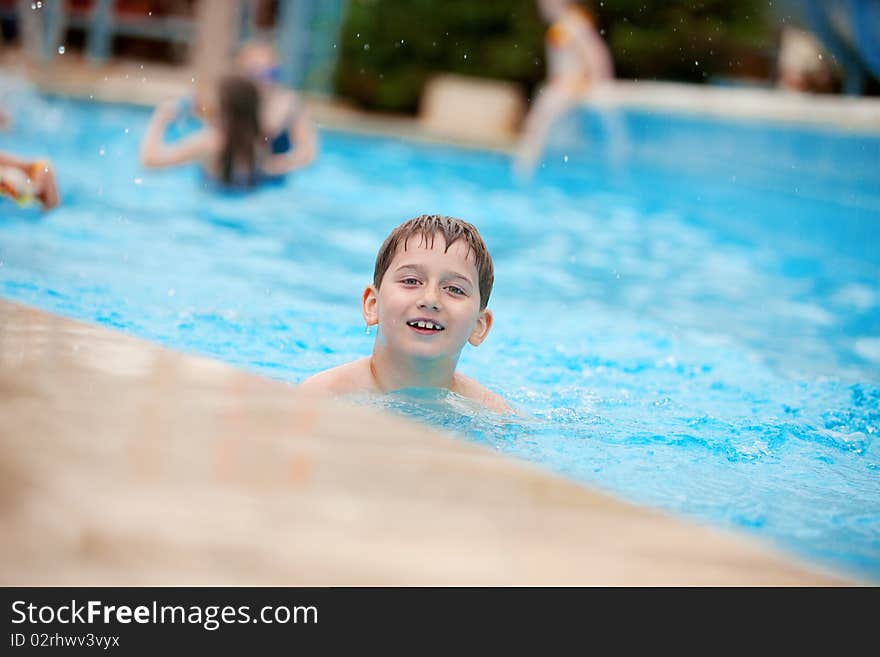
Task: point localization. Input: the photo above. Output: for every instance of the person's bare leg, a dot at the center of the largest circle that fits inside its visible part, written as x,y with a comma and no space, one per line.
551,103
601,99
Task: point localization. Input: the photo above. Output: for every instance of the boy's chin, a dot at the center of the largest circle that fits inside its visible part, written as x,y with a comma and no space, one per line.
426,351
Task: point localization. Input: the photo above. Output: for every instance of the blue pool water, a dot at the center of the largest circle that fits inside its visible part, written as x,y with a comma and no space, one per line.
695,327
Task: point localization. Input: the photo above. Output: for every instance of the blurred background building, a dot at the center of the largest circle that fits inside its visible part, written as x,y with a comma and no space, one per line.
380,54
186,33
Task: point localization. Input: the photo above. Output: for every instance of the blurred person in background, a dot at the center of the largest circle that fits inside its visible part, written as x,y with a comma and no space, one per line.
578,64
802,64
28,181
231,147
284,117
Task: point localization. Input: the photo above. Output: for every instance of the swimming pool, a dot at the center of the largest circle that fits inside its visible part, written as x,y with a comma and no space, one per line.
697,329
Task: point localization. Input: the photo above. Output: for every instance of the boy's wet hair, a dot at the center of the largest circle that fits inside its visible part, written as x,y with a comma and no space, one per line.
427,226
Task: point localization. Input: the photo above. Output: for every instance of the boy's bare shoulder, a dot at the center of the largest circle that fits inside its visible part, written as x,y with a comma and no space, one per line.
470,388
342,379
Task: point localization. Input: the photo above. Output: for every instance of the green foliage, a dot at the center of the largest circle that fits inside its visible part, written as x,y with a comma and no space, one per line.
686,40
389,48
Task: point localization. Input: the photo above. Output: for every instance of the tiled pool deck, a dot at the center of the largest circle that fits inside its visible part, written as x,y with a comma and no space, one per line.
122,462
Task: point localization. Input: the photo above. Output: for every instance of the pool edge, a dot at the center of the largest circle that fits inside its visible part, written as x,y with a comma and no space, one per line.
124,463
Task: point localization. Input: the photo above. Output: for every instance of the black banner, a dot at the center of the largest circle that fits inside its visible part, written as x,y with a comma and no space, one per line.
415,620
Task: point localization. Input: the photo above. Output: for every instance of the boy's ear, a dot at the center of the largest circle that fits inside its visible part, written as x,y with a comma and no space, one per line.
481,330
370,305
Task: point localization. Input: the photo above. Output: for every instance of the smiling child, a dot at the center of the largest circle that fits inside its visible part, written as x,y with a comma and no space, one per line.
431,284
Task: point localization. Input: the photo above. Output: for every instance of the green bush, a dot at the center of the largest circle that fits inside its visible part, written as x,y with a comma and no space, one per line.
389,48
687,41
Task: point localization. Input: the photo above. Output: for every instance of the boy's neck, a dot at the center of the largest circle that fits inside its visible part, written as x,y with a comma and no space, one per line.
391,372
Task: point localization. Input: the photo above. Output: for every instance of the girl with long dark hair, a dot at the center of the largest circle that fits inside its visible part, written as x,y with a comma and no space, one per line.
231,146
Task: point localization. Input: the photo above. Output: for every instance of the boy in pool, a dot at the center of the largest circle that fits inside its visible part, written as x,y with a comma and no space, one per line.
431,284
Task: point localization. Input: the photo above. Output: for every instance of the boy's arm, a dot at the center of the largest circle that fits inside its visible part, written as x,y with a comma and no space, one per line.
340,380
322,382
468,387
496,403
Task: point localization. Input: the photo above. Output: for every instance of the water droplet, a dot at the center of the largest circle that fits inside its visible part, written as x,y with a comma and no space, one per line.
138,181
465,55
366,46
565,158
126,131
101,151
820,56
60,50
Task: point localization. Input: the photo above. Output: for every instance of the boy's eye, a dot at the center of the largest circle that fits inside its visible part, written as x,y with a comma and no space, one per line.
455,290
409,280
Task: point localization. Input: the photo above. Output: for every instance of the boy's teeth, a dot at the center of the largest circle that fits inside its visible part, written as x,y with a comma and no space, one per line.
425,325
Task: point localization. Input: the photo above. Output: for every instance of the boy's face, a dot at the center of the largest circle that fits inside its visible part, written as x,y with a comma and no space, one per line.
428,304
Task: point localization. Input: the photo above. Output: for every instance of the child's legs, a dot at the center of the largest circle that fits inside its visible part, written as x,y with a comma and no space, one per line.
552,102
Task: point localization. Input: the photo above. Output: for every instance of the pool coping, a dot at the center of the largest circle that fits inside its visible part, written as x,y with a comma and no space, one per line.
126,82
127,463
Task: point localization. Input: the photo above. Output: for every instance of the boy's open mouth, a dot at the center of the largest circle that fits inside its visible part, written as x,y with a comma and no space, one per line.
424,325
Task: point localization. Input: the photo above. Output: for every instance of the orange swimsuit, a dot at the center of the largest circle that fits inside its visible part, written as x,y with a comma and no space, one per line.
559,34
578,57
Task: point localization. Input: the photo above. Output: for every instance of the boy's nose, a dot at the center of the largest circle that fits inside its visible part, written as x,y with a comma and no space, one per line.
429,299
